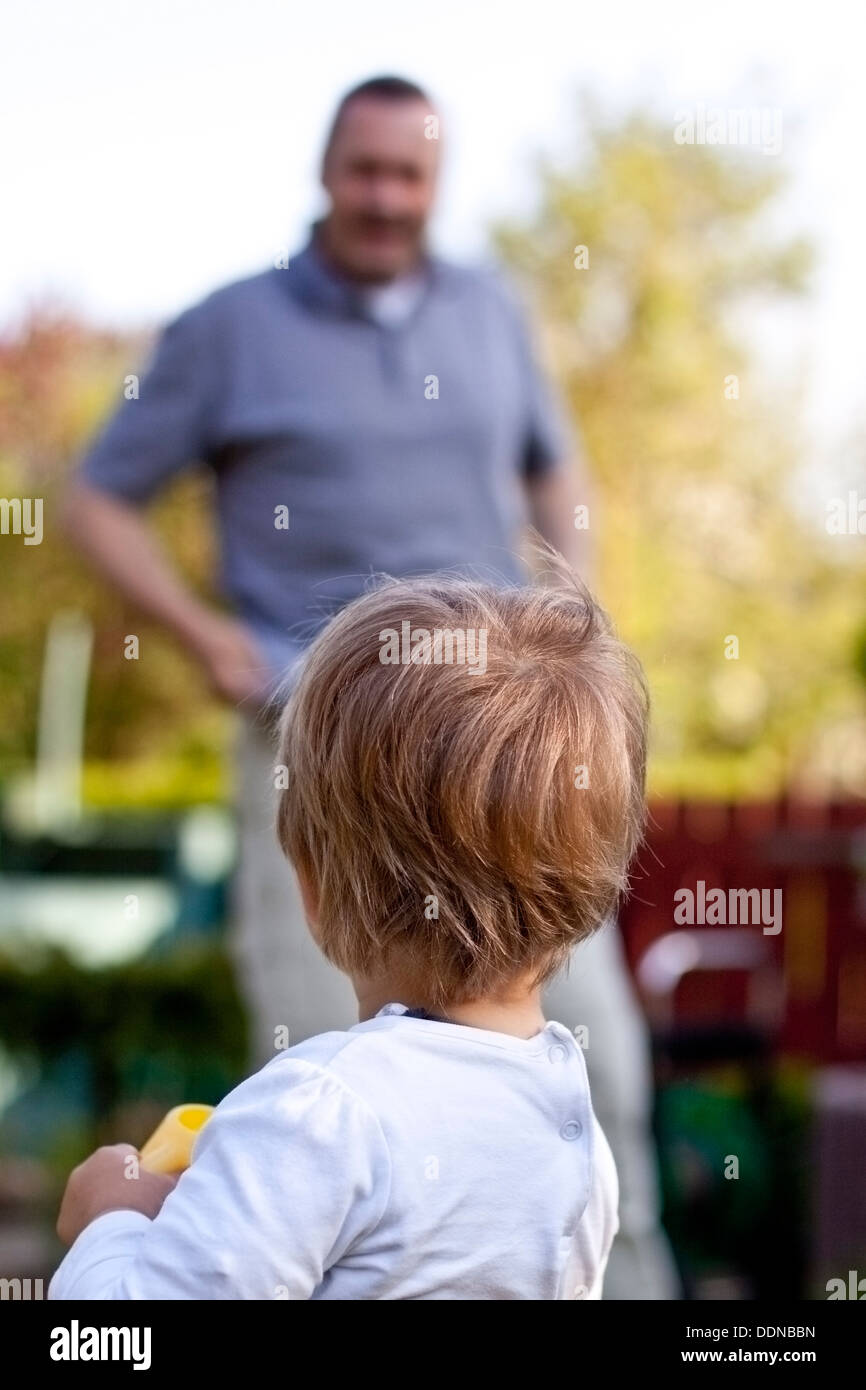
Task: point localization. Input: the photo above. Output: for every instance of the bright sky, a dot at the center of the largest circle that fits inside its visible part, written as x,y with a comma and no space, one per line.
151,151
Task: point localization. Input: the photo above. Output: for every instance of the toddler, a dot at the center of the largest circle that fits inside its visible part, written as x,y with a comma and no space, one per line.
458,826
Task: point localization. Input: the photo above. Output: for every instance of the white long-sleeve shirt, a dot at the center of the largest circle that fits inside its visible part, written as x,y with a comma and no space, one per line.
403,1158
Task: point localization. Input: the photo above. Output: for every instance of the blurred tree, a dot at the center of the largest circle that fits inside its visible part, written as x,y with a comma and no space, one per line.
649,263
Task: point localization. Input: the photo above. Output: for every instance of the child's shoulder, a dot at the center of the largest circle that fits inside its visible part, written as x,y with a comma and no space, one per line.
339,1059
295,1085
371,1063
324,1052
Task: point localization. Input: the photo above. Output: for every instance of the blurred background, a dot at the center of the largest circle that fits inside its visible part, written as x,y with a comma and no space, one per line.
711,348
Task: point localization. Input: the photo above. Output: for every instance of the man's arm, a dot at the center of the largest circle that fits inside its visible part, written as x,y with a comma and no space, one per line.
554,496
553,462
117,539
145,443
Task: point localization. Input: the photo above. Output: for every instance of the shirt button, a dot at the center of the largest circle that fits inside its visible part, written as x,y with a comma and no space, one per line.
572,1129
558,1052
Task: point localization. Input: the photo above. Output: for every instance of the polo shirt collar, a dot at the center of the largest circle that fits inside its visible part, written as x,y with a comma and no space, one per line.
311,277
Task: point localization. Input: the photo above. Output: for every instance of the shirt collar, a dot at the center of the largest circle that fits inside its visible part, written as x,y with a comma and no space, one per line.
315,281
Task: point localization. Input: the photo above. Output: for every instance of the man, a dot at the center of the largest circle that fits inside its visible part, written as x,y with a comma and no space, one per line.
371,407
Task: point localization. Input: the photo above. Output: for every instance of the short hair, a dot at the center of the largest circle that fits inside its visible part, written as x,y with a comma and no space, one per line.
470,824
384,88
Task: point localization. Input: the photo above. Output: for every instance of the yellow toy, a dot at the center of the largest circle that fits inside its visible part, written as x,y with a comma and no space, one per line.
169,1148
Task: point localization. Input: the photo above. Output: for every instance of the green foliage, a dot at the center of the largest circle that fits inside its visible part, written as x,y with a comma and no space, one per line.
755,1218
149,1034
161,783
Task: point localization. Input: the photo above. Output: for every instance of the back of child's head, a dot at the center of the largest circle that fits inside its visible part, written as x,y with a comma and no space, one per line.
466,771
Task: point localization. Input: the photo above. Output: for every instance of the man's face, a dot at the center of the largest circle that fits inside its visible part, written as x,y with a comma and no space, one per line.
381,177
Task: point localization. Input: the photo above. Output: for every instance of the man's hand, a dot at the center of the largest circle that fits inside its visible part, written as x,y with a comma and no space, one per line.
118,540
111,1179
235,666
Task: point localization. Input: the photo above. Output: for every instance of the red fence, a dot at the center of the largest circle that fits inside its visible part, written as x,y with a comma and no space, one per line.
816,854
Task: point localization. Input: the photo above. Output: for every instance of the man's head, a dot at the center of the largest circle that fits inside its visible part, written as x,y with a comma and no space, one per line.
379,168
460,822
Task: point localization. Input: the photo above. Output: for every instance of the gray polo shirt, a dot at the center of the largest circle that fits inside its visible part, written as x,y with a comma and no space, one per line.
343,442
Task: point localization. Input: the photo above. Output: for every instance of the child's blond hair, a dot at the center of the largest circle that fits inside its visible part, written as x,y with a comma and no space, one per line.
471,823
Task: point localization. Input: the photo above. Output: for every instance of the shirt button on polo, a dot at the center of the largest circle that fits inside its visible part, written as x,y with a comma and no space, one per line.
558,1052
572,1129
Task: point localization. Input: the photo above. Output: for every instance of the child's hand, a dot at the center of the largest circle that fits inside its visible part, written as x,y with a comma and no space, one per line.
111,1179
